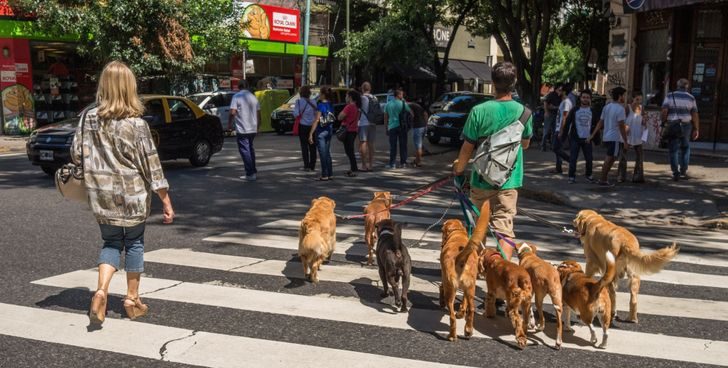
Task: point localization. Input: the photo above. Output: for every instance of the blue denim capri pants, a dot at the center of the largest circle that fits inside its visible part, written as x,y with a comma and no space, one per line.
127,239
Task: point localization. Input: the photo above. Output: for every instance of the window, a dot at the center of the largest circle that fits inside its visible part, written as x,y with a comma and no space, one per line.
180,111
217,101
228,97
154,112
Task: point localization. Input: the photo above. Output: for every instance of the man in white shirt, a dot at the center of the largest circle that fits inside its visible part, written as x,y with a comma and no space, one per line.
615,131
367,129
245,112
577,126
558,140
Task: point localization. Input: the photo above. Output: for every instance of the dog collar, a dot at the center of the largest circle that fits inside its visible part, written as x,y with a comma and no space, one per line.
386,232
524,248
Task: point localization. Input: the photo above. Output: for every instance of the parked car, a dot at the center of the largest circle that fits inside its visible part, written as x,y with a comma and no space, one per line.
444,98
450,120
384,98
215,103
180,129
282,118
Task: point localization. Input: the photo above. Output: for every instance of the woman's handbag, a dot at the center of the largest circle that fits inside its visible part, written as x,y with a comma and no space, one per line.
69,178
341,133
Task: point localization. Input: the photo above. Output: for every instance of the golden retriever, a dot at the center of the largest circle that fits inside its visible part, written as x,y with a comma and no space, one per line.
377,210
459,264
317,236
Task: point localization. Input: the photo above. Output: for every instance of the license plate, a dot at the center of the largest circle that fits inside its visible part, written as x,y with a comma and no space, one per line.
46,155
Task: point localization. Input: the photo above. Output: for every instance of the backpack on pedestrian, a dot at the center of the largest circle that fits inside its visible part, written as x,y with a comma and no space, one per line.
496,156
374,113
405,118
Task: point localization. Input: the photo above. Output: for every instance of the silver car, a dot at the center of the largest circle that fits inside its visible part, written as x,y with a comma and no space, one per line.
215,103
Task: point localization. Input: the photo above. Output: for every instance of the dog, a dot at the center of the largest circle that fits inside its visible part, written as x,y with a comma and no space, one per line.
510,282
394,261
603,240
317,236
588,297
544,281
377,210
459,264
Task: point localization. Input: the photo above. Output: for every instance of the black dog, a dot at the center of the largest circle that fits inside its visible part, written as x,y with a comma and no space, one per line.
394,261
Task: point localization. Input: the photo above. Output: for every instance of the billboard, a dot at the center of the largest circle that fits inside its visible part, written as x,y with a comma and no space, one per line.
266,22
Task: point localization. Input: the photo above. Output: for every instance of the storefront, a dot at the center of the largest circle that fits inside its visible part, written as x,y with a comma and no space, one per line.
661,41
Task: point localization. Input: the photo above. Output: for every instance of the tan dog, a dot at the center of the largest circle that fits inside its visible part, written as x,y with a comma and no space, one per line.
510,282
317,236
545,281
459,264
587,297
602,240
377,210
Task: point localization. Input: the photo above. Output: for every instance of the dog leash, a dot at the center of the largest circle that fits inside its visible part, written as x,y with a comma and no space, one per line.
471,213
433,225
563,229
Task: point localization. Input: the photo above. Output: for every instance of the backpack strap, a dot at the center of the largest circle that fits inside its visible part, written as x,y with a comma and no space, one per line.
525,115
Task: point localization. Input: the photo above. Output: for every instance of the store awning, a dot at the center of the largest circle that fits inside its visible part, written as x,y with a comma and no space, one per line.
631,6
420,73
470,70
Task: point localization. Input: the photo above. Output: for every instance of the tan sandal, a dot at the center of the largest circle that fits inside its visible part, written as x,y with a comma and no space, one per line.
97,310
135,308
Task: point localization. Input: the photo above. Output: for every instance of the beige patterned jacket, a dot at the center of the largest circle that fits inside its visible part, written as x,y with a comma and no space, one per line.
120,165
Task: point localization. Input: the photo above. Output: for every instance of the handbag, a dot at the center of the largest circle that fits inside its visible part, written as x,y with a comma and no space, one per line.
341,133
69,178
672,129
405,119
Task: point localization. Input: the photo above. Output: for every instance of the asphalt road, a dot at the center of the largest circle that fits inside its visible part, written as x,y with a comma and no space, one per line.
225,287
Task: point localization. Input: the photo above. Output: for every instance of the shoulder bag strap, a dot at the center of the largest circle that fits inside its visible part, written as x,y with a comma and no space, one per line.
83,142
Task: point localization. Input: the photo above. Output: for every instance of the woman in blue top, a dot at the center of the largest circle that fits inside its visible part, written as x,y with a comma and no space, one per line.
322,131
306,109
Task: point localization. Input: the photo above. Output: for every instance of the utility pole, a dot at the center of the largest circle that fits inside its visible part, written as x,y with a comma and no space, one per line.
306,26
347,82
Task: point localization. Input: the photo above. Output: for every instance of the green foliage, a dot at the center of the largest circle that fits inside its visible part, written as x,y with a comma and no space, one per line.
152,36
585,27
562,63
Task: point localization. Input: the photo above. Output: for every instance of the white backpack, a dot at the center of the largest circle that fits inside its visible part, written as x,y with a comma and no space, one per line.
496,156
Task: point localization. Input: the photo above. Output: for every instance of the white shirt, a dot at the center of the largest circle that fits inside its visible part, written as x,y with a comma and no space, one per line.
582,122
564,106
612,114
634,122
246,117
363,119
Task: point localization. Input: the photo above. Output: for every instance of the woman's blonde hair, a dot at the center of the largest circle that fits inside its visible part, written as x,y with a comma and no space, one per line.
117,93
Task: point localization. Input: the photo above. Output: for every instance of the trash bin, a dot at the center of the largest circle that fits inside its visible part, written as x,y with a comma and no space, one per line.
269,100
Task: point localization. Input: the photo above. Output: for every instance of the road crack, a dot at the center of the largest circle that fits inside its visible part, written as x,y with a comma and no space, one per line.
163,349
164,288
247,265
707,345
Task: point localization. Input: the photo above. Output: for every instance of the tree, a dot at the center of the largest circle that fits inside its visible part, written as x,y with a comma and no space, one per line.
517,26
562,63
151,36
585,27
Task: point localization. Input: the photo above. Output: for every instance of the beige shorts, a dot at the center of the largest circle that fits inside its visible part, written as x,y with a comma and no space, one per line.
502,207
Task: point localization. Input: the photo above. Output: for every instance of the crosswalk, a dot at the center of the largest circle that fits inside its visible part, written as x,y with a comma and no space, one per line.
251,272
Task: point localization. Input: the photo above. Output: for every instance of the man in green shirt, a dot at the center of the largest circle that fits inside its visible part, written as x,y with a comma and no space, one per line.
498,205
395,132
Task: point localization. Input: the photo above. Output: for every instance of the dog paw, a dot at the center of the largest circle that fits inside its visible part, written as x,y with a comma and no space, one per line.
540,327
568,329
593,340
460,314
453,338
468,332
521,341
404,308
557,346
603,345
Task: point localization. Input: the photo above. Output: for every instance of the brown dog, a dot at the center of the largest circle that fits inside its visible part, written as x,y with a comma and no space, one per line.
545,281
459,264
317,236
510,282
603,240
587,297
377,210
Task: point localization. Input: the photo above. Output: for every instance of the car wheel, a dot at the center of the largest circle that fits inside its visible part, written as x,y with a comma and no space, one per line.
201,153
434,139
49,170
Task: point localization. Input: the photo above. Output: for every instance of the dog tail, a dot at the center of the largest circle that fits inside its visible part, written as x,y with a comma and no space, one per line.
310,241
649,263
609,275
524,291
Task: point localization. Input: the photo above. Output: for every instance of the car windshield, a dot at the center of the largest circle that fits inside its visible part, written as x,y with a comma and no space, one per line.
294,98
462,103
198,99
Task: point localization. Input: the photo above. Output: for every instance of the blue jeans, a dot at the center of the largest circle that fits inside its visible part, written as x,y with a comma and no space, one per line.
680,151
548,128
247,152
576,145
128,239
557,145
397,135
323,143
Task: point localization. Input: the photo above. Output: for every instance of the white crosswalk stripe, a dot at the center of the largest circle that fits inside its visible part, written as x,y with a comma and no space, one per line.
246,259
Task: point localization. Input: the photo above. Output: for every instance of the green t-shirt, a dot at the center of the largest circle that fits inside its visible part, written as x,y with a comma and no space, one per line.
393,109
485,120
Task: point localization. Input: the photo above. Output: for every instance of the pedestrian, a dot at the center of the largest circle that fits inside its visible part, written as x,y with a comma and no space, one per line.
419,125
578,128
485,120
306,109
635,130
550,109
396,133
121,170
245,112
679,107
321,132
349,118
371,112
559,137
615,131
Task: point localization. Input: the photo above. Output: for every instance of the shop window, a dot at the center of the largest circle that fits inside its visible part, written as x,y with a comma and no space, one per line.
653,83
180,111
709,23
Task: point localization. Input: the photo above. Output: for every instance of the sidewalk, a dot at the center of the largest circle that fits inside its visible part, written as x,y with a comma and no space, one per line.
12,144
701,201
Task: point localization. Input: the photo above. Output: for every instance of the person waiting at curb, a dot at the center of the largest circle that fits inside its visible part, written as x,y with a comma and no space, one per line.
635,128
395,131
419,125
578,128
245,112
615,131
558,142
679,107
485,120
306,109
367,129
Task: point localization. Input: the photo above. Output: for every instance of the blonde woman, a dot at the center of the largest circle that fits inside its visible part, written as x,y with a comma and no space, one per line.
121,170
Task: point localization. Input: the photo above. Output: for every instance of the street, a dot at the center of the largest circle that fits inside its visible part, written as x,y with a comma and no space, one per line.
225,286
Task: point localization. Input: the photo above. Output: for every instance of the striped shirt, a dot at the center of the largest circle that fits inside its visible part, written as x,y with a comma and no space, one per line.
680,105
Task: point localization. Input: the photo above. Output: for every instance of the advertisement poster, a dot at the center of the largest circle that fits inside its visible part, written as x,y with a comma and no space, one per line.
265,22
16,81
